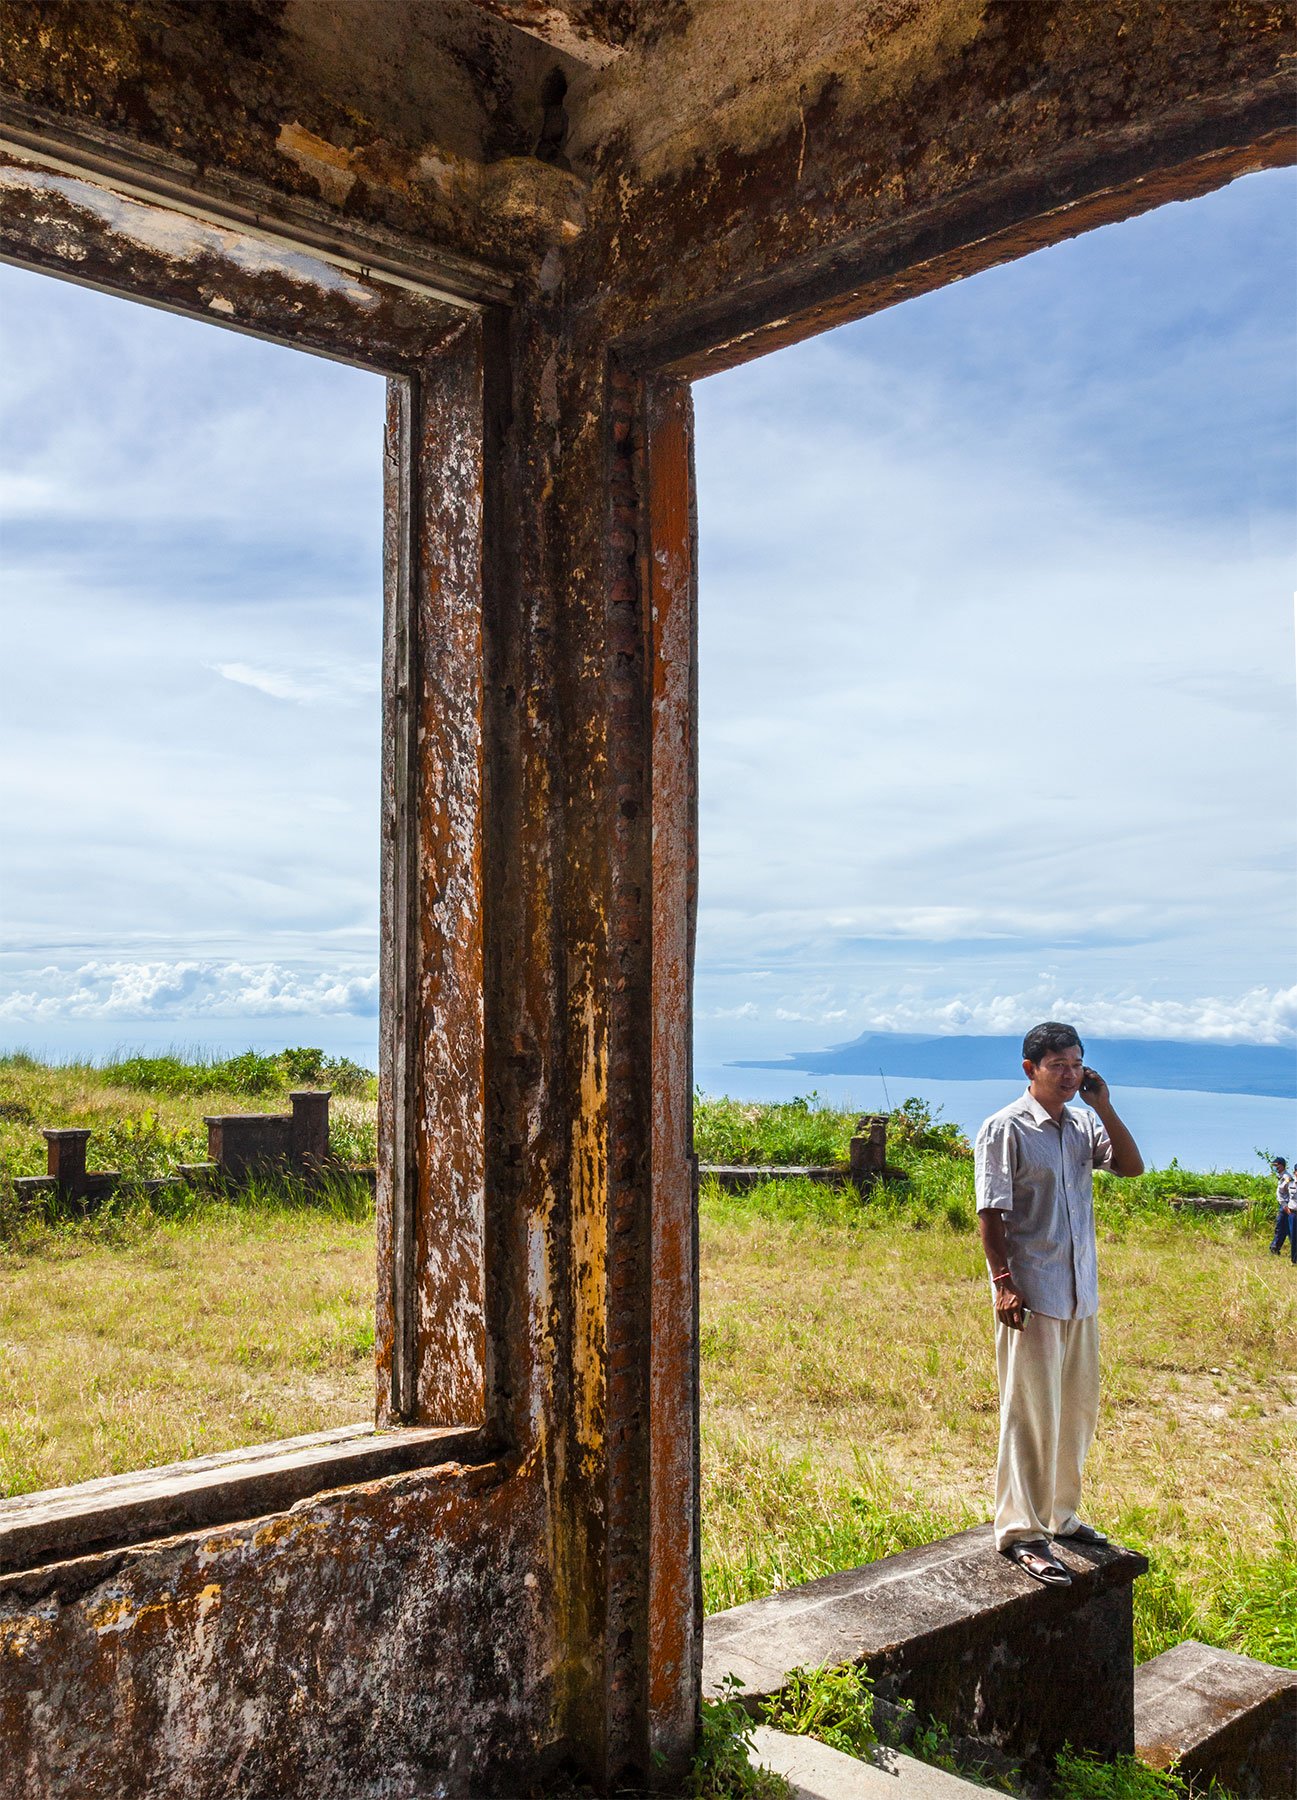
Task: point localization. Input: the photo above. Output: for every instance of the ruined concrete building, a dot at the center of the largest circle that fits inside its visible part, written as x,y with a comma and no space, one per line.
540,219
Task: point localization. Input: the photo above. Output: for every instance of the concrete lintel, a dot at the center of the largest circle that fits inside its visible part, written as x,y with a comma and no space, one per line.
739,1177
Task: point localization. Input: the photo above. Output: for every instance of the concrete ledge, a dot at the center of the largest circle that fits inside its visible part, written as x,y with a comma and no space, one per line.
57,1523
814,1772
737,1178
1220,1715
1008,1666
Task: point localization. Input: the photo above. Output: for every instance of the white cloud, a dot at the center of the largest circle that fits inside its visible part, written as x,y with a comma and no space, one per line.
186,990
1259,1016
996,647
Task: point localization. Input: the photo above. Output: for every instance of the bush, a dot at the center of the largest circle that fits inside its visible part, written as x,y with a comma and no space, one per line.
250,1074
1083,1777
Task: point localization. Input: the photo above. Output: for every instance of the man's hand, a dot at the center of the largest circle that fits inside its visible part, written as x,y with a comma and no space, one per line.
1094,1090
1008,1301
1009,1308
1126,1159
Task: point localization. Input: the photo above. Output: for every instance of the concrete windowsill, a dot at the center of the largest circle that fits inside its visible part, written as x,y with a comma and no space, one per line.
118,1510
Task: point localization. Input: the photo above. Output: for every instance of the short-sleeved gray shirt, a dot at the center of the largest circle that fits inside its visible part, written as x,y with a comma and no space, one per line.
1039,1175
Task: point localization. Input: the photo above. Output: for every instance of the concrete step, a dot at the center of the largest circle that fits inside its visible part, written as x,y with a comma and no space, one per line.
963,1635
815,1772
1221,1715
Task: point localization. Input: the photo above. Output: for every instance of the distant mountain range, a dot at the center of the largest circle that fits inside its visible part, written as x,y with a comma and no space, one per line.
1124,1062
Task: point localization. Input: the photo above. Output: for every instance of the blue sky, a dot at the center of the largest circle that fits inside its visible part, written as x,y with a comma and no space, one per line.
997,662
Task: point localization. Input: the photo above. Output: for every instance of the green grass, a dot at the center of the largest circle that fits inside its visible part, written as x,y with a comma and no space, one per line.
178,1326
806,1131
849,1404
848,1381
722,1768
834,1706
147,1112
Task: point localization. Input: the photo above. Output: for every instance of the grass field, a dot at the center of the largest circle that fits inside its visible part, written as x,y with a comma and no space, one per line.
849,1404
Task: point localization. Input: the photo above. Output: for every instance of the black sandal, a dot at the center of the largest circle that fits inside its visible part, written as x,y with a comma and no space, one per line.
1037,1560
1082,1534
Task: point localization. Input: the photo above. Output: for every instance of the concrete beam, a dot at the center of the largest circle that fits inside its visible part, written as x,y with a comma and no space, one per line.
963,1635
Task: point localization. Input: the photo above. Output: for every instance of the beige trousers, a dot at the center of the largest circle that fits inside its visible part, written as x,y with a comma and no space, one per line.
1049,1406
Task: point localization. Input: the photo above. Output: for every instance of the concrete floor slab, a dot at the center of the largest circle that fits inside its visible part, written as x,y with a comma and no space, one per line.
815,1772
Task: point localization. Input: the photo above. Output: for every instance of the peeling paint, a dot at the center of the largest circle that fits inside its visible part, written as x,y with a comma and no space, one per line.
589,1238
183,239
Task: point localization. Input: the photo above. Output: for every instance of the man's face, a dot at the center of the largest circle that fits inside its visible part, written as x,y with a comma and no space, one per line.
1056,1078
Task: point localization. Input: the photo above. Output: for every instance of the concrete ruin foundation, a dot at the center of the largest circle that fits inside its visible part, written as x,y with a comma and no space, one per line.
540,222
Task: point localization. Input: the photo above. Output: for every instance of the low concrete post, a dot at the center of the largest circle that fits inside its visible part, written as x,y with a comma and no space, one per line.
310,1129
66,1160
869,1151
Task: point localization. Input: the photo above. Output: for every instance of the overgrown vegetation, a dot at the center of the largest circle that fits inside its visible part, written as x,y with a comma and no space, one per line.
147,1117
806,1131
722,1768
849,1389
848,1381
836,1706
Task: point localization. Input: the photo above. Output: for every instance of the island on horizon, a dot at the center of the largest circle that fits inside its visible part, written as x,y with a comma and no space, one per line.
1269,1070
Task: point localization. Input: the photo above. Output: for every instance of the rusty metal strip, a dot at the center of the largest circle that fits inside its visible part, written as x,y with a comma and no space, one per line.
674,1580
398,1059
431,1333
445,1054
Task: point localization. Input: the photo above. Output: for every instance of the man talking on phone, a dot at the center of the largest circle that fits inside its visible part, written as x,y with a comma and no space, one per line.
1035,1161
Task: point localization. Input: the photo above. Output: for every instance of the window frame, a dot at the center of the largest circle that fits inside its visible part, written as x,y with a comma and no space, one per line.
122,235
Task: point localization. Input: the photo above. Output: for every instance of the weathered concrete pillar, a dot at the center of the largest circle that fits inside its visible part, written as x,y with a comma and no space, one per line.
66,1160
310,1128
868,1151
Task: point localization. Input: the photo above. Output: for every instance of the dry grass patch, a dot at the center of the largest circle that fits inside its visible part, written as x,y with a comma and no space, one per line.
849,1387
148,1341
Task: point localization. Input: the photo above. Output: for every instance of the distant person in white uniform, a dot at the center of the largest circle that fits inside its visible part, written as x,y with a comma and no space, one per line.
1035,1207
1286,1195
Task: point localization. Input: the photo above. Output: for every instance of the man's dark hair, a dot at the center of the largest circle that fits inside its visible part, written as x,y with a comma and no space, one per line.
1041,1039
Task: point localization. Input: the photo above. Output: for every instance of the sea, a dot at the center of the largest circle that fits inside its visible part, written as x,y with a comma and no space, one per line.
1208,1132
1200,1131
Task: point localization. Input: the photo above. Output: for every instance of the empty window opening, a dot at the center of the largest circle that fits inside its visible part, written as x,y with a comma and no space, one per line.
996,726
192,619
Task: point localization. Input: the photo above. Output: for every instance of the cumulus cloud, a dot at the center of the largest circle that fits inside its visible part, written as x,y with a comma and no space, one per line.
1260,1016
186,990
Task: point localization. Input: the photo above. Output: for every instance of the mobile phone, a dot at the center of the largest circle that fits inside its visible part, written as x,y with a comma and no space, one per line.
1089,1082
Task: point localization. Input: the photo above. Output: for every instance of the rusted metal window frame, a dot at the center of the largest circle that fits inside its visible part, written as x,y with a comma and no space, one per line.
114,234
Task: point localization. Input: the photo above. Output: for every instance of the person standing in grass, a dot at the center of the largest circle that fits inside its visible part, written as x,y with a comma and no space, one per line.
1286,1224
1034,1165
